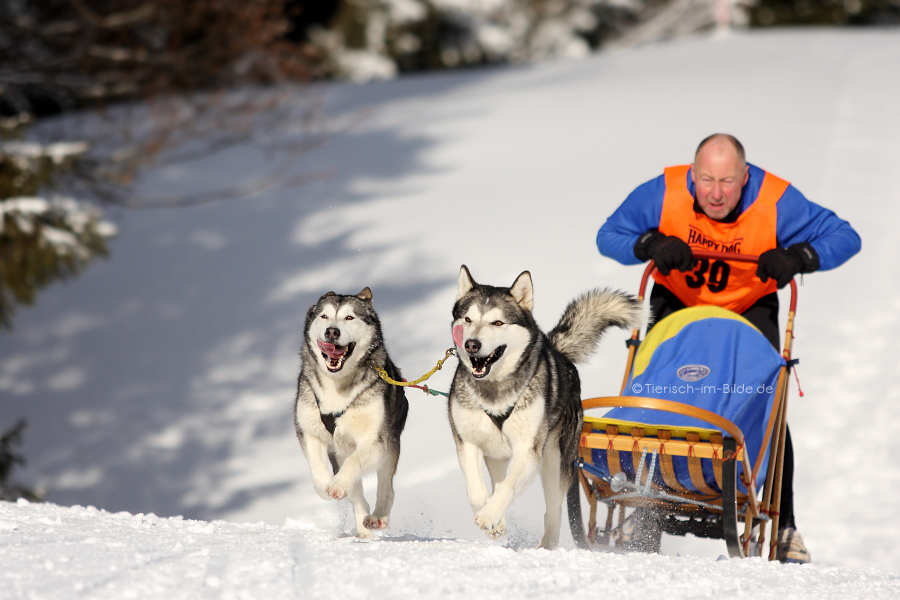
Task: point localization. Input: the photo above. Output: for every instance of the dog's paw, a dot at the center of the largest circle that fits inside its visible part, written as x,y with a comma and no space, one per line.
493,522
336,491
336,494
494,532
364,535
373,522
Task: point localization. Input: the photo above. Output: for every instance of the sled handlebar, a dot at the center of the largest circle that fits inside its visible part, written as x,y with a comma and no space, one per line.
710,255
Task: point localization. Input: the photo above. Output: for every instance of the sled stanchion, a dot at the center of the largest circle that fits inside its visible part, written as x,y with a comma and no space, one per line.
782,425
776,489
634,341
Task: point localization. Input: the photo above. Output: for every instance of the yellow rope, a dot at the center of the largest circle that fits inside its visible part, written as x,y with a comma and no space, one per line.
383,374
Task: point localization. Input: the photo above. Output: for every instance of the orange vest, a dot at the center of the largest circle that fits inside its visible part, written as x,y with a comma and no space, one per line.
734,286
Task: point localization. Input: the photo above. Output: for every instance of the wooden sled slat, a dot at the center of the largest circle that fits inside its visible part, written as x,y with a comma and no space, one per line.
666,468
695,465
619,443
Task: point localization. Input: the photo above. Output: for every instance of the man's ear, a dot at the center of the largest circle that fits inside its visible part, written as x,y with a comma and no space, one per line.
466,283
523,291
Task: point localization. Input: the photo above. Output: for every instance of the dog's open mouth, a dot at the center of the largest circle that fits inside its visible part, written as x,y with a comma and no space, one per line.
481,365
335,356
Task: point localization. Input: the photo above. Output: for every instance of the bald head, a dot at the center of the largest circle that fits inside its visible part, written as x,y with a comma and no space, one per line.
722,142
719,173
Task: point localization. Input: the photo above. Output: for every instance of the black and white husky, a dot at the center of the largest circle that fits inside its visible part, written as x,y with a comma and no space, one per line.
348,419
515,401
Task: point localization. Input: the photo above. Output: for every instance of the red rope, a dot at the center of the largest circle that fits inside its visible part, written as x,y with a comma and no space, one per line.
426,389
797,377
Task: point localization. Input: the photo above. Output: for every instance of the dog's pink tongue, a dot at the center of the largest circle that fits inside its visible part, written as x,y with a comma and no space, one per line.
329,349
457,335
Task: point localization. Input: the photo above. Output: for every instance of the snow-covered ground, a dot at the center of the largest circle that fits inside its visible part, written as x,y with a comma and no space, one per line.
160,382
51,552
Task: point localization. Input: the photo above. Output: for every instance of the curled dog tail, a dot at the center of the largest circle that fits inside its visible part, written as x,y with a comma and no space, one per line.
588,317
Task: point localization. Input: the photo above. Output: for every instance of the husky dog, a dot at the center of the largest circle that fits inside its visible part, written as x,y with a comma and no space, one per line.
515,399
347,418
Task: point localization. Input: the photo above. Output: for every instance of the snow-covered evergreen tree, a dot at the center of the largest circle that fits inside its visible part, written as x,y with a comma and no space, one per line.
9,460
44,236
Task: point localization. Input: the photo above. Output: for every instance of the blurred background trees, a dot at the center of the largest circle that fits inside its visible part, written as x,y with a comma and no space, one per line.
63,54
367,39
42,238
370,39
9,460
154,77
764,13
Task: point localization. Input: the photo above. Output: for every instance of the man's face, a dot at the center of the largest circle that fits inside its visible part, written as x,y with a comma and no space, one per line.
719,175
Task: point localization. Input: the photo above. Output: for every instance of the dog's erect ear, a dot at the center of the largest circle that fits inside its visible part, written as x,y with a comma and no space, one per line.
466,282
523,291
329,294
365,295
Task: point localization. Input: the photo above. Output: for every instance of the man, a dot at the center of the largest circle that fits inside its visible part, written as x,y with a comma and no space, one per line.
722,203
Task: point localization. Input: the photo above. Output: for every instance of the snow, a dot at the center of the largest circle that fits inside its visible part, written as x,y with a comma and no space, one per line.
158,385
57,152
55,552
24,205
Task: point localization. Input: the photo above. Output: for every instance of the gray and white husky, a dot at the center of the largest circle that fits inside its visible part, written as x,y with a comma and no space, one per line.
347,418
515,401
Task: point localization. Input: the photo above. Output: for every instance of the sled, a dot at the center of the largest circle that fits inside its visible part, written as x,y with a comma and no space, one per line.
694,442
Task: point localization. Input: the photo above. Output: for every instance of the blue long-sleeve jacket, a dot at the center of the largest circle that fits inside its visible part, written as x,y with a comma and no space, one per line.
798,220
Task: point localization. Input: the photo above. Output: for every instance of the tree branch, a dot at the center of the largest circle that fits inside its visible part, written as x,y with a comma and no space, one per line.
120,20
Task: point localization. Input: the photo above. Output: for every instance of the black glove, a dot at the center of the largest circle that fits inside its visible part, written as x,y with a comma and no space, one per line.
781,265
667,251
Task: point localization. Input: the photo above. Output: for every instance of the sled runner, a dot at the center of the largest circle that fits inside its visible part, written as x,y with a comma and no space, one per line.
694,442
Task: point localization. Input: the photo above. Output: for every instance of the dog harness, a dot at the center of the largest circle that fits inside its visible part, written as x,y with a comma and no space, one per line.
499,420
329,420
734,286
